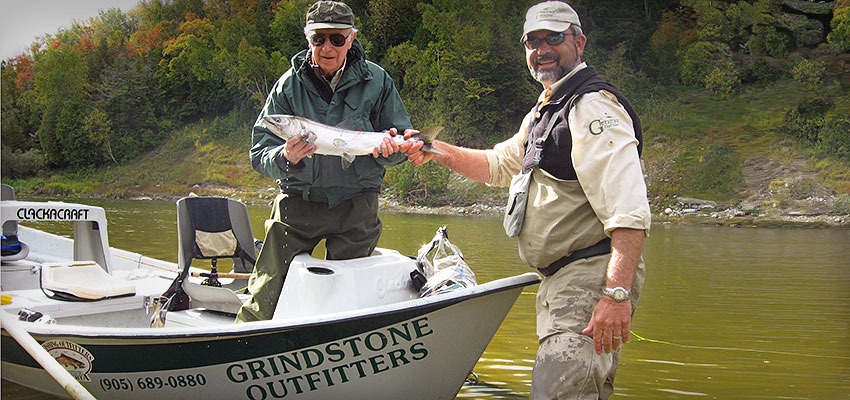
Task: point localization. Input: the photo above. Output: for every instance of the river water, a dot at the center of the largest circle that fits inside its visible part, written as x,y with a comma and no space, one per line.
726,313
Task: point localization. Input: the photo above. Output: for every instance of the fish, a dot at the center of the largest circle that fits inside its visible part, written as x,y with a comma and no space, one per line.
337,140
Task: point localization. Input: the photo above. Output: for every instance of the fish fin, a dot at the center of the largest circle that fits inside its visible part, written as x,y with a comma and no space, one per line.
431,149
428,135
347,159
347,125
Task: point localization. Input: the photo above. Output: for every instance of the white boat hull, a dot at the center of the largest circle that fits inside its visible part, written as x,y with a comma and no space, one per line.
421,351
373,338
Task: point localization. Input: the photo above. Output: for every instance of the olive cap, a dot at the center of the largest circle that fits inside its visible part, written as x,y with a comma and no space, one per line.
325,14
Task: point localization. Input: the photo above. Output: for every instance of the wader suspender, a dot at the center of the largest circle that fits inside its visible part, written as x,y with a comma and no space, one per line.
538,143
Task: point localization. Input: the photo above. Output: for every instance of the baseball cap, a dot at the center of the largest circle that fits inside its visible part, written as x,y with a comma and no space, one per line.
555,16
329,15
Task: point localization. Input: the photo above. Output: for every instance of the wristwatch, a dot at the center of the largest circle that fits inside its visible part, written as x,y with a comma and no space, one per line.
619,294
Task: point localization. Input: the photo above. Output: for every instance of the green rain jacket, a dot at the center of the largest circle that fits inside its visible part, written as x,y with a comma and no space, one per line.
365,99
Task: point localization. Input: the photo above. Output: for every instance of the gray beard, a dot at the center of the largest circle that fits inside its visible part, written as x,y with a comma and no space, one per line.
550,76
554,75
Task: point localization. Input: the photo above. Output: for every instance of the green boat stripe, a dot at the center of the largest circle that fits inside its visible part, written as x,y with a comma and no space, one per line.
183,355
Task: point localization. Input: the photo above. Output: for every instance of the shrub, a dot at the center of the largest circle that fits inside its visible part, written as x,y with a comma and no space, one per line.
810,73
806,120
803,188
697,62
723,80
842,204
767,41
760,71
21,164
834,137
702,59
420,185
840,34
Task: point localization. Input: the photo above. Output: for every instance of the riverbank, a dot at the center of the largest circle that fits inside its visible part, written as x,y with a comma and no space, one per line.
689,211
819,212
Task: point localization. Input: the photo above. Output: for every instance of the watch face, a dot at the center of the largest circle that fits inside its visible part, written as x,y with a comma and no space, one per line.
619,295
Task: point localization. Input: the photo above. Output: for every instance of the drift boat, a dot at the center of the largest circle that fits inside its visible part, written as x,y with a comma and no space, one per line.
126,326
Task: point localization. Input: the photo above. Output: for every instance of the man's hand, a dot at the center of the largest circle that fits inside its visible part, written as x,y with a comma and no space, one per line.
295,149
413,149
609,324
388,146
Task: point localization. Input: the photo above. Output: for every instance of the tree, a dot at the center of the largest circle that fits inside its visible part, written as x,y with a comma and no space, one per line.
469,78
287,28
675,32
20,117
840,35
390,23
64,95
127,99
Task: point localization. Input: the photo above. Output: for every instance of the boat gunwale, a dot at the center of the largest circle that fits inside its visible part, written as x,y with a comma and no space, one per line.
272,326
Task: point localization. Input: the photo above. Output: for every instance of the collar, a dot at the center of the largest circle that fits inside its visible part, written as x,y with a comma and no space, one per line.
334,82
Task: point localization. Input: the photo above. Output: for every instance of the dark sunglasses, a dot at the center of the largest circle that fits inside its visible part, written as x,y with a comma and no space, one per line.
552,39
337,39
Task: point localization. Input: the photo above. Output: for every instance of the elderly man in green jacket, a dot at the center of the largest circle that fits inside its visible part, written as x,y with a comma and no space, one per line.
331,82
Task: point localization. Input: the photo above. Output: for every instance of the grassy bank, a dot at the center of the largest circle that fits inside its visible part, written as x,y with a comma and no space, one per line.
730,151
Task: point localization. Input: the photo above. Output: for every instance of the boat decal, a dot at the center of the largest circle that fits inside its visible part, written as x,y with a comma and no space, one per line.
76,359
333,363
53,214
172,353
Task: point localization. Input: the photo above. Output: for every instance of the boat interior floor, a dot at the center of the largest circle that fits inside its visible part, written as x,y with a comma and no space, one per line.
20,284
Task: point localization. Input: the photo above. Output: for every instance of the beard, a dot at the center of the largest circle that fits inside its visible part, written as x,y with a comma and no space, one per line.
549,75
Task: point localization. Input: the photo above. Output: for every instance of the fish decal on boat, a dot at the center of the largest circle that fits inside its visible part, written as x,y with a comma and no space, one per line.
66,361
74,358
337,140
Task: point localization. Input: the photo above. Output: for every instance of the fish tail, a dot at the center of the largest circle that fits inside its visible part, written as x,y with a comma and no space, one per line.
430,134
431,149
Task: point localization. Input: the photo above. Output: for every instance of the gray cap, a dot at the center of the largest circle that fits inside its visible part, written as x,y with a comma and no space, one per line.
552,16
329,15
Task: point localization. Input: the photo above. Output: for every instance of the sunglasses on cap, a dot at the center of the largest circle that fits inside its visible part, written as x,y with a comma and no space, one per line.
337,39
552,39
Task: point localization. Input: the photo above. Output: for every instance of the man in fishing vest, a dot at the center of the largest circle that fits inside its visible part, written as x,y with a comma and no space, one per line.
330,82
578,207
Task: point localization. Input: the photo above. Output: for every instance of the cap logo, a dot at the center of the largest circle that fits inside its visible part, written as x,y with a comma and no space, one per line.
546,14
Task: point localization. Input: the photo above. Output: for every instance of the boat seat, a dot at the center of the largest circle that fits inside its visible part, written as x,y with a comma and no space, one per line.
211,228
13,249
82,281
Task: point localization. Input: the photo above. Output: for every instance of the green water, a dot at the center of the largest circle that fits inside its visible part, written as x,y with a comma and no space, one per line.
740,313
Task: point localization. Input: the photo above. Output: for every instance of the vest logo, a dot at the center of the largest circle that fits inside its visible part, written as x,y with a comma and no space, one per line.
599,125
75,358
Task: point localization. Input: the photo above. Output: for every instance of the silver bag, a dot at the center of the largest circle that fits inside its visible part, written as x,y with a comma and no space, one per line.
517,201
445,270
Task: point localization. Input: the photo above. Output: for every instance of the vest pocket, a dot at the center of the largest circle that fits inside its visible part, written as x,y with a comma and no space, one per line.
517,202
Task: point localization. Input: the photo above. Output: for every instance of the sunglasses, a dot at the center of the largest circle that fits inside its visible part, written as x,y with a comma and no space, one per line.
552,39
337,39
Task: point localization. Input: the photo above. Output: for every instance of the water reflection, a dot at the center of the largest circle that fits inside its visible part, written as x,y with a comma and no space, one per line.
731,313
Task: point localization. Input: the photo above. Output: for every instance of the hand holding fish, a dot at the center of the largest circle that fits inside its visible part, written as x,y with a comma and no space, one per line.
295,148
338,141
413,149
388,145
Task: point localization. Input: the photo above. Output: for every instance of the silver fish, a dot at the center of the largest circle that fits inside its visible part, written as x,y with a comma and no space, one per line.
337,141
